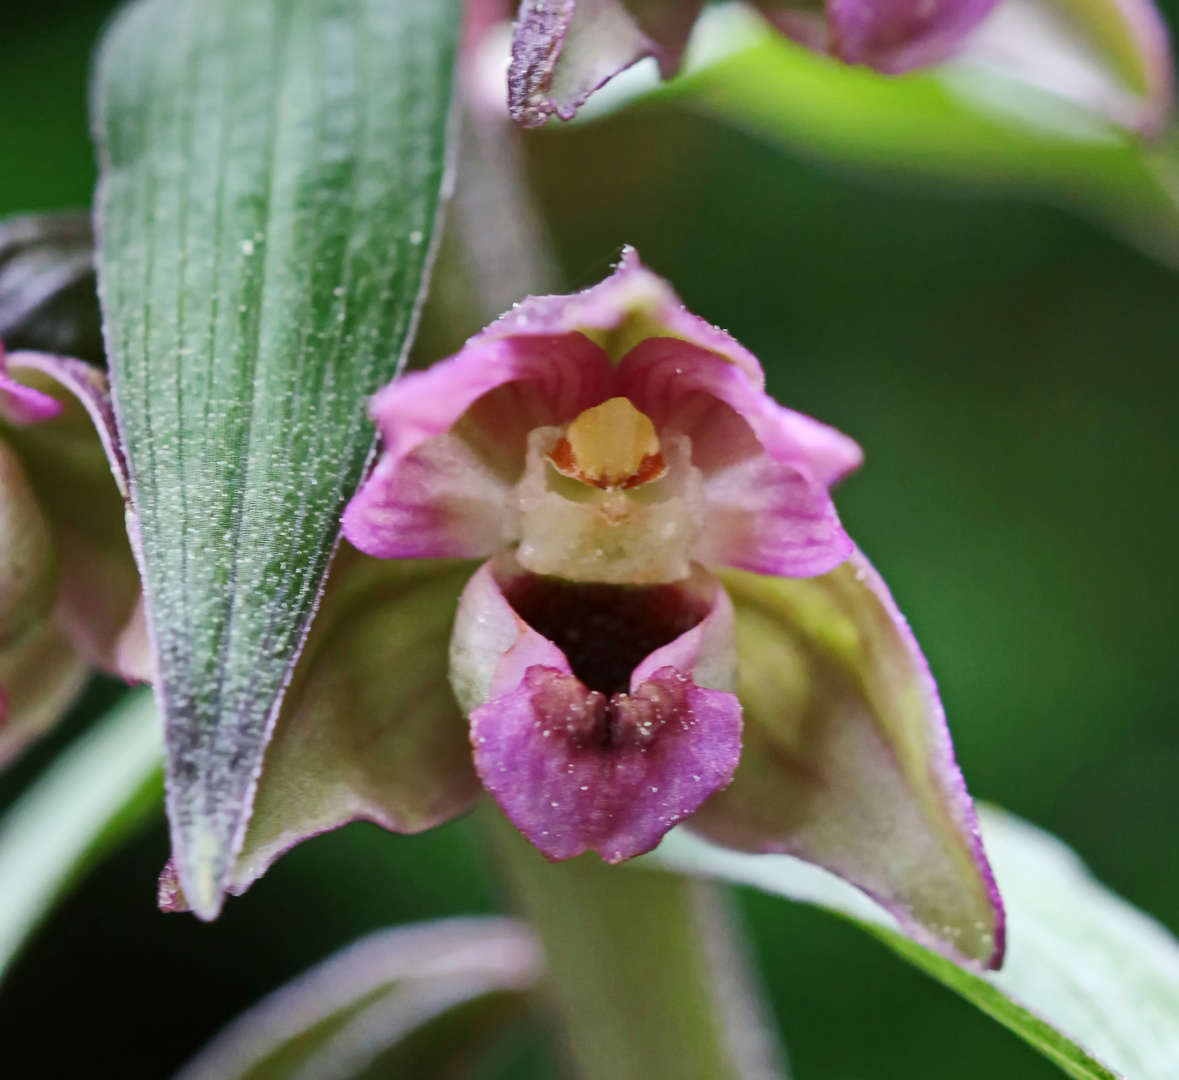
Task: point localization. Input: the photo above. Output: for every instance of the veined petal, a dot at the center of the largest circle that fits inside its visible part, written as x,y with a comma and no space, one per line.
492,393
577,761
766,469
767,517
439,501
688,388
369,729
847,760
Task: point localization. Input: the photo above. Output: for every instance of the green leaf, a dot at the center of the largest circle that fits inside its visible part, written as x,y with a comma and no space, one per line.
99,790
271,177
1089,981
417,1002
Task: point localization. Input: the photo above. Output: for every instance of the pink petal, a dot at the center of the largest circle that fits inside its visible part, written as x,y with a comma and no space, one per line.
431,498
767,469
894,36
767,517
91,387
669,24
603,767
1112,58
1152,42
632,304
809,28
554,376
439,501
22,404
682,386
491,647
455,435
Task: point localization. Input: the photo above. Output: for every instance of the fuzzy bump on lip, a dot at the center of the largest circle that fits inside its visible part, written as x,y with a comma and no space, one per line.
593,721
605,631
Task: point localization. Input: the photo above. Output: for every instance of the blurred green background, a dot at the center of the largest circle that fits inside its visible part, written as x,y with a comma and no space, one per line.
1011,373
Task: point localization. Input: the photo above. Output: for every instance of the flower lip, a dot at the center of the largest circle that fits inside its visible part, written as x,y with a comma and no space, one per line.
606,631
597,749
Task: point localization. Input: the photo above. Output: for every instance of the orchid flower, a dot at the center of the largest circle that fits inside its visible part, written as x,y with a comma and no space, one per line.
564,50
1111,58
600,552
69,588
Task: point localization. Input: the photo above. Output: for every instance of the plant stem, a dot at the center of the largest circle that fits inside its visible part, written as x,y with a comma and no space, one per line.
646,974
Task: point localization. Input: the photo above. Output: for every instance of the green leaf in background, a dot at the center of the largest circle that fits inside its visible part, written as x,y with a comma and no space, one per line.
84,805
417,1002
271,176
958,125
1089,981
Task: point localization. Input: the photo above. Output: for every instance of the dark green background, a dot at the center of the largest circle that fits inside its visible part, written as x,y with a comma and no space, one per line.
1011,373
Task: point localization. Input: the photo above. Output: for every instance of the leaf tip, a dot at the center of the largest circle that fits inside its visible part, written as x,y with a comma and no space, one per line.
200,875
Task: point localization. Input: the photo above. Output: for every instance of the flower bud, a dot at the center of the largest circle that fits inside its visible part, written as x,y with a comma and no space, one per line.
28,569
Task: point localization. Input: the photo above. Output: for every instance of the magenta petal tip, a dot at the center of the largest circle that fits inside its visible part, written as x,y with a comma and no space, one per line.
20,404
576,772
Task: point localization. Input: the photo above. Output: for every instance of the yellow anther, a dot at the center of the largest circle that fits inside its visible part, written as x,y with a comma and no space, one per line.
612,445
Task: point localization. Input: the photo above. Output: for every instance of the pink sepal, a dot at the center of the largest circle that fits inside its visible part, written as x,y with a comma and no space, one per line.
21,404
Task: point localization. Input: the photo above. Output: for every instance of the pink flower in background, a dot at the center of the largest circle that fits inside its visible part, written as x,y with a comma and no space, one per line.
1111,58
564,50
